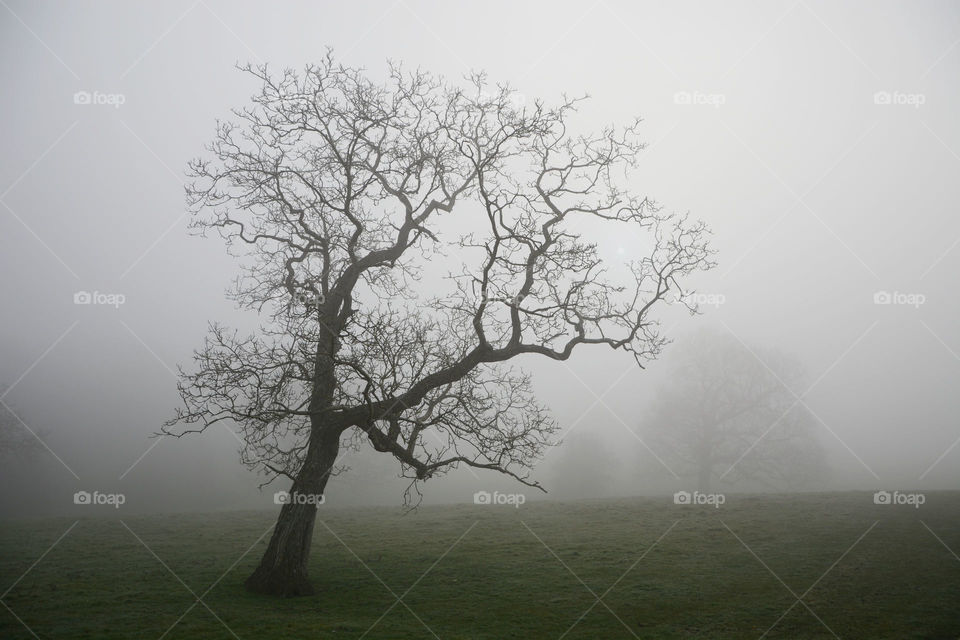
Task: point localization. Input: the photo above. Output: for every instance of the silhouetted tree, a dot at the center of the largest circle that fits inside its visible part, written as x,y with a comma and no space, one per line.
332,190
728,412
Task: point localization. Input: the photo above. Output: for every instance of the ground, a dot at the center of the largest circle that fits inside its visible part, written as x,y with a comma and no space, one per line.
493,572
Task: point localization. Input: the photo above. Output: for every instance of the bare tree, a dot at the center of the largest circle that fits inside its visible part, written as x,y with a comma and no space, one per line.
729,413
585,467
15,438
337,193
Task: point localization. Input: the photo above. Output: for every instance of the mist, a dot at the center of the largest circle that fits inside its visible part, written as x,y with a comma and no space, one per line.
833,212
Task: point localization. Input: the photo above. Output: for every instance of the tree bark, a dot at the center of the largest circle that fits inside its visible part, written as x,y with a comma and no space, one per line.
283,570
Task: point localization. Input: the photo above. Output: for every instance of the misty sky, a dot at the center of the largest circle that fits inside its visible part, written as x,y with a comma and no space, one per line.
820,194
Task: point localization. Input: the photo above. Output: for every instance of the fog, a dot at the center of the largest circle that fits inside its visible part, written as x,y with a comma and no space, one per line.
769,121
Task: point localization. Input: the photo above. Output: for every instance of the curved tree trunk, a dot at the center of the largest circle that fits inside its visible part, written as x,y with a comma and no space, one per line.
283,569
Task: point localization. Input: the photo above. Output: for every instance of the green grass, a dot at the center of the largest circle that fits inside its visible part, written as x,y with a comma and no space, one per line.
495,579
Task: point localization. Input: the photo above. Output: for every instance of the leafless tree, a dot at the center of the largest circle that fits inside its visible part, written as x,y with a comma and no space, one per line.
585,467
337,194
729,412
15,438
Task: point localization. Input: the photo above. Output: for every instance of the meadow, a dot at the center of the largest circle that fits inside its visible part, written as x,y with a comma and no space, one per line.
787,566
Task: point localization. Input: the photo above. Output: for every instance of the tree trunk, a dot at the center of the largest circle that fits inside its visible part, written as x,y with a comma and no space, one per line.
283,569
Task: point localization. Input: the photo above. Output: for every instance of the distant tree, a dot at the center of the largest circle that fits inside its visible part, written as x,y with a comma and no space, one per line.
584,468
15,438
332,190
727,411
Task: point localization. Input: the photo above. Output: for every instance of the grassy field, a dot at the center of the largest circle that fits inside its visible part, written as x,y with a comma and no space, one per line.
659,570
